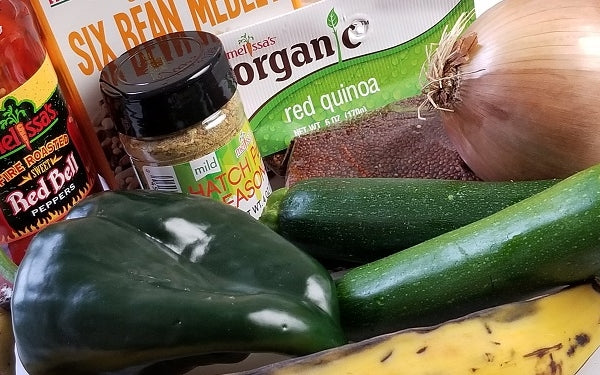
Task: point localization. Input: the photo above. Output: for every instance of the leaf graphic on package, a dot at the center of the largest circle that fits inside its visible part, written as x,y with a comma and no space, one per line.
332,18
332,22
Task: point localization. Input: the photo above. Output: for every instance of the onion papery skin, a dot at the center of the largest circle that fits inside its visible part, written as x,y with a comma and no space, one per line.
527,103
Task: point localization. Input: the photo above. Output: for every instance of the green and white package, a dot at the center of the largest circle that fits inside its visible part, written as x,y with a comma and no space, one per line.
333,60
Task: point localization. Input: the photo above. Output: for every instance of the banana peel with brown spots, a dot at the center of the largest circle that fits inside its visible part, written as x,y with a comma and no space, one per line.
551,335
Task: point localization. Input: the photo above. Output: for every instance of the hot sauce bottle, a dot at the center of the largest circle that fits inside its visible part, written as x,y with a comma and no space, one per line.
44,166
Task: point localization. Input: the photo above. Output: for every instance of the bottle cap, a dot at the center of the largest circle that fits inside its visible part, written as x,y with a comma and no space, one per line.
167,84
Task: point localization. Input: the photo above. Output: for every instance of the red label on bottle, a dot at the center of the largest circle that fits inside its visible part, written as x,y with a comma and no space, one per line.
42,171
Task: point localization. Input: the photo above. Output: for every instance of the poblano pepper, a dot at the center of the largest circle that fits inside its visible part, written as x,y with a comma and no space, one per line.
132,278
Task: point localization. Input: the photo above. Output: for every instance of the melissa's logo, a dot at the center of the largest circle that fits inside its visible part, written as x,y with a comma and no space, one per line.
245,141
246,41
54,3
283,62
19,124
248,46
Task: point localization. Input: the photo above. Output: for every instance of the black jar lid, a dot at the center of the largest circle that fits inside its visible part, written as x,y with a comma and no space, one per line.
167,84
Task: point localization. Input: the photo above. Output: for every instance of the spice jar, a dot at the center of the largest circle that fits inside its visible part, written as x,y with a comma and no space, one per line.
175,103
45,167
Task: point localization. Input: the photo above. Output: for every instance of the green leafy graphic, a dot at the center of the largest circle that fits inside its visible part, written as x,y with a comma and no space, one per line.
332,22
246,41
332,19
11,114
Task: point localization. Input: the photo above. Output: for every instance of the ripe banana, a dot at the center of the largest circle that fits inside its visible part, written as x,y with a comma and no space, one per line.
551,335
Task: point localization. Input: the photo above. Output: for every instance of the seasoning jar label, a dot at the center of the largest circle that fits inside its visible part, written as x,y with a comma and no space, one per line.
234,174
42,173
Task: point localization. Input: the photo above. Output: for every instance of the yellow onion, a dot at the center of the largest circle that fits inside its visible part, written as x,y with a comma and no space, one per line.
519,91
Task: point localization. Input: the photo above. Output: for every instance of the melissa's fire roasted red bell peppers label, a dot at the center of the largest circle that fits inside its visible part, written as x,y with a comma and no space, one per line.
42,173
234,174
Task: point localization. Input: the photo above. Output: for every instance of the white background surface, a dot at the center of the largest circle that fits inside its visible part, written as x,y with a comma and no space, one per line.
592,367
482,5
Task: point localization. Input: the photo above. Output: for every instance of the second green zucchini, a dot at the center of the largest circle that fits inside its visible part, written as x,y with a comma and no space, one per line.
548,240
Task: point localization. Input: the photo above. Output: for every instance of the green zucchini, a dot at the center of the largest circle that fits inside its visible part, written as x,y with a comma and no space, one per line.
548,240
363,219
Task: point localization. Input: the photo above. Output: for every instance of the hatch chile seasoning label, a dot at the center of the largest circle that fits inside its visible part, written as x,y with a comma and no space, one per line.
42,174
234,174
